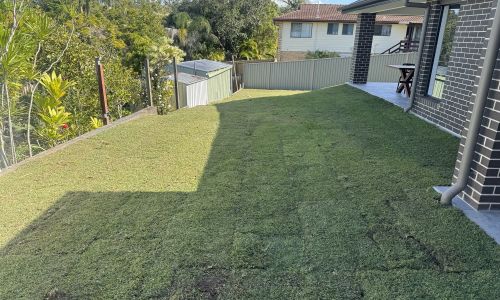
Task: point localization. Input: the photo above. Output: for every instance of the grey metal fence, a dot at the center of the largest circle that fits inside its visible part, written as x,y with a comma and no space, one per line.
319,73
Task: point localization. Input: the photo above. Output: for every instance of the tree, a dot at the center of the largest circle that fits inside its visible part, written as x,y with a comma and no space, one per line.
231,23
291,4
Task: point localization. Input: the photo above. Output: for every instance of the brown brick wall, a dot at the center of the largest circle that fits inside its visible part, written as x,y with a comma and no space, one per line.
292,55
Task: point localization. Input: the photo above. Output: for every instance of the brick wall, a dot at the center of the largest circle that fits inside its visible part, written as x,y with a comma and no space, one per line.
280,40
483,188
292,55
450,112
362,48
453,111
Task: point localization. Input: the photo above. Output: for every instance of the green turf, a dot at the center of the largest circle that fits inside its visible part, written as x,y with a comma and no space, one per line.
272,194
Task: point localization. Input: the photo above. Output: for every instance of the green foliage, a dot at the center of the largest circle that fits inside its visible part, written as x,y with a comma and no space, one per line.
54,125
249,49
96,123
54,120
449,34
224,27
181,20
68,35
162,54
55,87
321,54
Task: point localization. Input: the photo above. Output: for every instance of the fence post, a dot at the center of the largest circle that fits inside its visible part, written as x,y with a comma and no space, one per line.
235,74
176,84
269,77
148,82
102,91
313,69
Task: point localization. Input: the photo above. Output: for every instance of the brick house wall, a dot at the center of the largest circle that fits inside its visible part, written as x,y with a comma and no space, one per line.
453,111
292,55
483,188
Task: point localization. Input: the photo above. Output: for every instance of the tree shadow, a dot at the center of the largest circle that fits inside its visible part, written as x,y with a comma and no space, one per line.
288,206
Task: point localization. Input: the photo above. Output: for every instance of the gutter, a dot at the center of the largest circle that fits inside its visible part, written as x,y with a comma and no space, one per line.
490,59
364,4
419,58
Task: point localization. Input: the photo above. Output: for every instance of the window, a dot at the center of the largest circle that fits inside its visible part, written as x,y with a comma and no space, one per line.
382,30
301,30
347,29
333,29
416,33
443,48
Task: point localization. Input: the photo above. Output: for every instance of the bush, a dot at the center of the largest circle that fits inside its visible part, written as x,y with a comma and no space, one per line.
321,54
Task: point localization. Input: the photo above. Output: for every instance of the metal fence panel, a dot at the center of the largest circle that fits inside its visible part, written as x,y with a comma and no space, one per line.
257,75
330,72
319,73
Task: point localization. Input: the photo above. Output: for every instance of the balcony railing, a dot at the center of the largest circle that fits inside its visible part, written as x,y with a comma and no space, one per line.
403,46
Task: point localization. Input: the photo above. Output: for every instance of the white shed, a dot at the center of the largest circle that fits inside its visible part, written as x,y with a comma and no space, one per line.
193,90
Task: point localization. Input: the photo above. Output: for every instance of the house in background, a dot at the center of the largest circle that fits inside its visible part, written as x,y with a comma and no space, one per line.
456,85
324,27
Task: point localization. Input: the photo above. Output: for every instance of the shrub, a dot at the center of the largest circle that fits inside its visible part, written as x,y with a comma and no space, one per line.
321,54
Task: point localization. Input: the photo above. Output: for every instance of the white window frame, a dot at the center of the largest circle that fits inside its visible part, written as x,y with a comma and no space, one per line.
301,30
439,47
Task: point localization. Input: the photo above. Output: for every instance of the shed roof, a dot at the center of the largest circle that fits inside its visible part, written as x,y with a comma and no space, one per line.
333,13
187,79
204,65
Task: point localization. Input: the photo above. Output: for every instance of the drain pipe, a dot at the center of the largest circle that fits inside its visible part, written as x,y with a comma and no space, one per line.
419,58
490,59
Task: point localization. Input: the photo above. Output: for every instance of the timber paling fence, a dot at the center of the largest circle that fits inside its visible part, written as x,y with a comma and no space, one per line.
319,73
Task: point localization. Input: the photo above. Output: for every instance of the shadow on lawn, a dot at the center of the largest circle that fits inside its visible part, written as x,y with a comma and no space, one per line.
300,195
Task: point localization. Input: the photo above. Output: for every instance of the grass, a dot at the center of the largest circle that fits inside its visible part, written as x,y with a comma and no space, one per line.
271,194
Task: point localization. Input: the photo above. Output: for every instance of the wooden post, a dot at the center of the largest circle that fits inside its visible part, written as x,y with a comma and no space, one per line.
176,84
148,82
102,91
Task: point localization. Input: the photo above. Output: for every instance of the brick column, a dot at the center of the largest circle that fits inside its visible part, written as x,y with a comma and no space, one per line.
362,48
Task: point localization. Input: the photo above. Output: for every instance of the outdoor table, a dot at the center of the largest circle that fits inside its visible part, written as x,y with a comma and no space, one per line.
406,78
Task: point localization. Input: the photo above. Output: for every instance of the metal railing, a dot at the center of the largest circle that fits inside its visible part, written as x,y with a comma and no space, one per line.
402,47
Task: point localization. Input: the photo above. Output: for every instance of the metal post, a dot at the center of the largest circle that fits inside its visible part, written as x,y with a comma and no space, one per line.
148,82
235,74
102,91
176,84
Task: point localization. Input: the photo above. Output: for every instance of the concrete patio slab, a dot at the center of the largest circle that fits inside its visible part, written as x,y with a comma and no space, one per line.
489,221
385,91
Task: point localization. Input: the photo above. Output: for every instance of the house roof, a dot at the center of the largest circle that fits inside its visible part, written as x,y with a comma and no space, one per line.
333,13
187,79
204,65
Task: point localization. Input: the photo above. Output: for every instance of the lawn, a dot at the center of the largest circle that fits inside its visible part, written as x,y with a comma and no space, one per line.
271,194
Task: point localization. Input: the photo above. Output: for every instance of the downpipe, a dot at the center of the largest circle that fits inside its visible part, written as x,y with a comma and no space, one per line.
490,59
419,58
